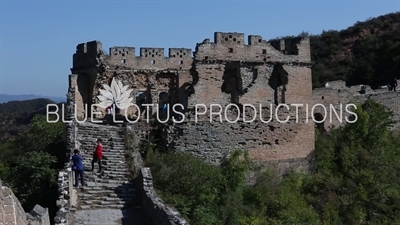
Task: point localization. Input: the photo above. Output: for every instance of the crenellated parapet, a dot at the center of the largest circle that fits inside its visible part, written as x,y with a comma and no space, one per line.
231,47
150,58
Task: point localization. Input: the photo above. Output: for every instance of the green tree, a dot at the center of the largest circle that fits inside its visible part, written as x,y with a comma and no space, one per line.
358,170
31,161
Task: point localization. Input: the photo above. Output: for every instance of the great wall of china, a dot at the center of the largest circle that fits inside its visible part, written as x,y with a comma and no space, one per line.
225,71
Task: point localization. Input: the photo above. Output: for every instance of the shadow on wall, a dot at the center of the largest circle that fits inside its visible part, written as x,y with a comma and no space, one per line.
232,81
278,81
186,90
319,125
131,210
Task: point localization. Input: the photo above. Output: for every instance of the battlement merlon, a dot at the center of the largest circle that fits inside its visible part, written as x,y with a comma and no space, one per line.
292,46
231,46
150,58
231,38
122,51
146,52
86,54
91,47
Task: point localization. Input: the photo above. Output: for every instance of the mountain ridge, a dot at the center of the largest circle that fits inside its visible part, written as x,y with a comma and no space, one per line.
4,98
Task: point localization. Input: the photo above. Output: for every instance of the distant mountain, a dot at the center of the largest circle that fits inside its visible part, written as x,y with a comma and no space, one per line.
6,98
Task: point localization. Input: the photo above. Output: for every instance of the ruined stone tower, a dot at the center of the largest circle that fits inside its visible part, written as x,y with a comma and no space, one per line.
226,71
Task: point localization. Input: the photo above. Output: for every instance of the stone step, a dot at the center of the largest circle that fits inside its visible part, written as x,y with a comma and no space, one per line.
116,148
97,199
105,146
107,169
106,201
95,192
119,167
116,205
105,149
108,183
105,165
122,162
114,153
109,195
116,172
94,179
94,132
115,157
113,162
107,158
105,177
120,206
104,191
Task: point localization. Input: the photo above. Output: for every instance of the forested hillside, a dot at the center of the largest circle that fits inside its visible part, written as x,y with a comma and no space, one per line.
16,115
366,53
30,162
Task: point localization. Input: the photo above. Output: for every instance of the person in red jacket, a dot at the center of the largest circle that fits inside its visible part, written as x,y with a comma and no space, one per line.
98,154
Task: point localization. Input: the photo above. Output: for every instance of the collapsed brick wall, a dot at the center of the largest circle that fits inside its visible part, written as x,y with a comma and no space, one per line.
336,94
12,213
226,71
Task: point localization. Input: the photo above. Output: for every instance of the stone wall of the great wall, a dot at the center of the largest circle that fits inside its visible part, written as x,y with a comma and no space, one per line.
225,72
336,94
12,213
155,208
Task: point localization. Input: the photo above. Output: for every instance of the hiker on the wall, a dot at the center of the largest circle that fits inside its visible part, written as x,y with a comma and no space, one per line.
110,110
393,84
78,168
98,154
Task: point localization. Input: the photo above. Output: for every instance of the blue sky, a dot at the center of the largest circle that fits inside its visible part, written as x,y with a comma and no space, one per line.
38,38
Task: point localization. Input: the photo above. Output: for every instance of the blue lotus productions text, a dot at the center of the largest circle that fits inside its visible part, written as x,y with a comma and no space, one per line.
326,113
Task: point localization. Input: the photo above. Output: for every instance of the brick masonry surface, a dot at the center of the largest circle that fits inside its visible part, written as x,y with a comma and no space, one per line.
12,213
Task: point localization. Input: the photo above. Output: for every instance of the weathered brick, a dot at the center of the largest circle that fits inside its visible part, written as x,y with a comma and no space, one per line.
8,209
11,211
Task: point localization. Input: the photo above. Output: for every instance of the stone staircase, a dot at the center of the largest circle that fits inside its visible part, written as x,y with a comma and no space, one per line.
109,197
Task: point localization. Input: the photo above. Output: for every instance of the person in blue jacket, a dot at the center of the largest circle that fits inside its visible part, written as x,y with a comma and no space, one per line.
78,167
